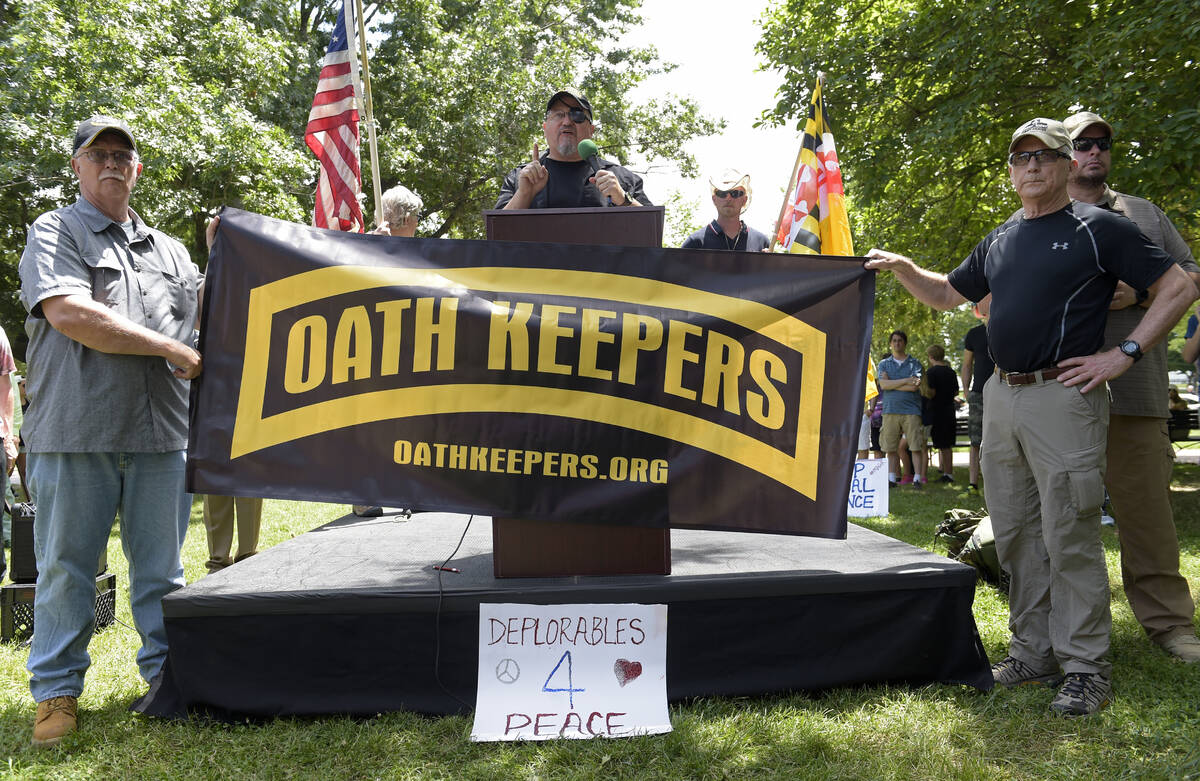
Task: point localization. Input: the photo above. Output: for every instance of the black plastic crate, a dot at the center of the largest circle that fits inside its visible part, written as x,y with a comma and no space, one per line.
23,567
16,608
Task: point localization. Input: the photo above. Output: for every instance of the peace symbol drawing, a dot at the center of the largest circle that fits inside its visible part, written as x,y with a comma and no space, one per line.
508,671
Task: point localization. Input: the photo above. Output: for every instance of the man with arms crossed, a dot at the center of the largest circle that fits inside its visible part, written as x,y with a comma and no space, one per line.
899,379
1052,274
112,308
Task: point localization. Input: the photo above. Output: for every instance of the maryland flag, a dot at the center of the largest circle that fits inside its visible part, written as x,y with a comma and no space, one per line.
813,220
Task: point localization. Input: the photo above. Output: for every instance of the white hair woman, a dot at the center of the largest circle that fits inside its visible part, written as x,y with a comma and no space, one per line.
401,212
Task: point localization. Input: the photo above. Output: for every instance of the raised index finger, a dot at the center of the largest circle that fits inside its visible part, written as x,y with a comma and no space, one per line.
536,152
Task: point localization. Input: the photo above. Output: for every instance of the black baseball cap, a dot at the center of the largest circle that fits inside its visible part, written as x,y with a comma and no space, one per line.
90,128
575,93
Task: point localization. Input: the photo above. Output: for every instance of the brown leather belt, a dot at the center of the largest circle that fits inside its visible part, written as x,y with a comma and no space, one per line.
1029,378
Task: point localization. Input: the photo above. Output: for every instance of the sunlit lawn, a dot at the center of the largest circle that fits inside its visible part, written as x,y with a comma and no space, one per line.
1152,729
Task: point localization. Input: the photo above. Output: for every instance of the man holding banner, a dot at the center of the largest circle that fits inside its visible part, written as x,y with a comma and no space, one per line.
1052,275
112,309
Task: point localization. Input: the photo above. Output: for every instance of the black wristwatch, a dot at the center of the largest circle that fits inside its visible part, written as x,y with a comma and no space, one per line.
1132,349
1142,295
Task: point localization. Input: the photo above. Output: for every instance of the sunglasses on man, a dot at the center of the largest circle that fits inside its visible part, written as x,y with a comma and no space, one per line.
729,193
577,115
1085,144
1043,156
122,157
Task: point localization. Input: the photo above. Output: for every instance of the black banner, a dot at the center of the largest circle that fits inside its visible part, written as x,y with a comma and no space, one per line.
649,387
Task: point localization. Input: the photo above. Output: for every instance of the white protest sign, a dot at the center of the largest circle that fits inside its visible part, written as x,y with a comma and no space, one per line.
868,489
571,671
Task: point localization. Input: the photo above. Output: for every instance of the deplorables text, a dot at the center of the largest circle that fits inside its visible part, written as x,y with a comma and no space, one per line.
567,630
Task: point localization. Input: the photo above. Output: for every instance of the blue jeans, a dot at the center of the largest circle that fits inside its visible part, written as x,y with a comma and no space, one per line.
78,496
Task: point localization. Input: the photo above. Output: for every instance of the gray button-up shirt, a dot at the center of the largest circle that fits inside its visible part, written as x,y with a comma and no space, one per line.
80,399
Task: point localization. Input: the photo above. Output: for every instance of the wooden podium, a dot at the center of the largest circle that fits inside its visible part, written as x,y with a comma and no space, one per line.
542,549
630,226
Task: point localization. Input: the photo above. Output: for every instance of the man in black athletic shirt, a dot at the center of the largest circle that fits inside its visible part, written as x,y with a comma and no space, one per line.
560,177
1052,274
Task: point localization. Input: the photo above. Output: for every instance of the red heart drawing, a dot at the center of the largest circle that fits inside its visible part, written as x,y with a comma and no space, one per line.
626,670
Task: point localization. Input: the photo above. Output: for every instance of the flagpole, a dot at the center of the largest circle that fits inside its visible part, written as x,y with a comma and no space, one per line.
366,91
787,195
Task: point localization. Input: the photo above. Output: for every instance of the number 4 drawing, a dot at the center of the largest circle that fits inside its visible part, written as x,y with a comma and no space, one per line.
570,688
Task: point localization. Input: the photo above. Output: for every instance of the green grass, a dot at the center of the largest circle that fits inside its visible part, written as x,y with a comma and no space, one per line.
1152,729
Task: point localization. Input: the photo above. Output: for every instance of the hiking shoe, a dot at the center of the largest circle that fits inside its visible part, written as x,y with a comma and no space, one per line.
945,478
1184,646
1082,694
1010,672
55,718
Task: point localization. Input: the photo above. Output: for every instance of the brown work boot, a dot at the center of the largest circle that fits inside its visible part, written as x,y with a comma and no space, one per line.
55,717
1182,645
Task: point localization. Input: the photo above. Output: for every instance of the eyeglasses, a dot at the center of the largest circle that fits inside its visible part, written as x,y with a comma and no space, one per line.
729,193
577,116
1085,144
122,157
1043,156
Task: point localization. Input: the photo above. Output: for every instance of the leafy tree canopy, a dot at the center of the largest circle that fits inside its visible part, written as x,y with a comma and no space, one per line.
925,96
461,88
218,93
196,84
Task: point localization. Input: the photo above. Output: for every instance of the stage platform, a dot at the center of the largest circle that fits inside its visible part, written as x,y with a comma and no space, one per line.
350,618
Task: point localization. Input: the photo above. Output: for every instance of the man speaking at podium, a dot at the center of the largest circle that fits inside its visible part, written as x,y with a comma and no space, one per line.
562,177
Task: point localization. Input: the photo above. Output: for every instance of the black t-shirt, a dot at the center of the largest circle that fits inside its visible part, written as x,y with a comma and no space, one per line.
567,185
1051,280
944,382
976,341
712,236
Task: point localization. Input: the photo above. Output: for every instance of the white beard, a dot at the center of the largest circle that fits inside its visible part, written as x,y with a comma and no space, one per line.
567,146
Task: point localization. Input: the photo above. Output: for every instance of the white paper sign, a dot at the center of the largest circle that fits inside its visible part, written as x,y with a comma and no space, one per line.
868,489
571,671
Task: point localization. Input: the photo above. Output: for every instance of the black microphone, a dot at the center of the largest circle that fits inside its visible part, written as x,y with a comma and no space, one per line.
589,151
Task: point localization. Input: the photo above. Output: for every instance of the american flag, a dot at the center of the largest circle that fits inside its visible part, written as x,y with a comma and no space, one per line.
332,135
815,220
